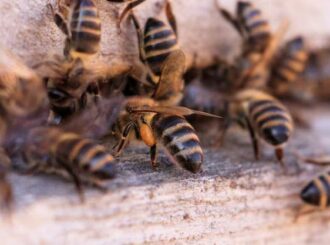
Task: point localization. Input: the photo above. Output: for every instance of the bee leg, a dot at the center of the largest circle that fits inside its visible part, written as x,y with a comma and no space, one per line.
124,138
127,9
60,17
230,18
140,38
76,180
153,156
279,155
171,18
254,139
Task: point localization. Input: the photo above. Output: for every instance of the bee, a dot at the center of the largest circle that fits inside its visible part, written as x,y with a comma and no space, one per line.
250,24
163,125
156,121
22,97
317,191
52,150
259,45
155,44
79,20
264,116
316,76
289,65
73,81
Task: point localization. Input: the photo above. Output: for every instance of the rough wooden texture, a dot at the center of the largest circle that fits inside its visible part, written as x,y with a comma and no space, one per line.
234,200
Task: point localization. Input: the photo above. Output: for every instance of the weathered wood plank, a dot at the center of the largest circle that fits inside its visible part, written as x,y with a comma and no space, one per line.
234,200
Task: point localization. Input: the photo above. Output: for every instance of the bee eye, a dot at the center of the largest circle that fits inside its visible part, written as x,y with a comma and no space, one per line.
57,95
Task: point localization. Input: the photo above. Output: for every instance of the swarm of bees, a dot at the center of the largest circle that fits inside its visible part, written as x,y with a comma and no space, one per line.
54,112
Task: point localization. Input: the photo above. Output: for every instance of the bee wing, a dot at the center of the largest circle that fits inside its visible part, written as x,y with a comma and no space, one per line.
171,75
175,110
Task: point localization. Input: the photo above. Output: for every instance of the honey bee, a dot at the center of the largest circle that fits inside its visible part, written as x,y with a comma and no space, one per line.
73,81
79,20
264,116
156,120
155,44
259,45
52,150
163,125
251,25
316,76
288,66
317,191
22,96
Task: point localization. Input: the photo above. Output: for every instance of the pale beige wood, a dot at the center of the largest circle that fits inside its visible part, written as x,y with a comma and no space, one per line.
235,200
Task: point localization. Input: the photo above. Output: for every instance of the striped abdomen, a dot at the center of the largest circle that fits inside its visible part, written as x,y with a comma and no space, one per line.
317,192
271,120
291,63
85,28
159,42
256,27
180,139
83,155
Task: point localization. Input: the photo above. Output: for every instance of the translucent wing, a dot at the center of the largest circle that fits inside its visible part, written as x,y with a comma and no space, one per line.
175,110
171,76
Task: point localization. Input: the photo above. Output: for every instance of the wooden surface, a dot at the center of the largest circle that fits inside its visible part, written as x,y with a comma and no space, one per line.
234,200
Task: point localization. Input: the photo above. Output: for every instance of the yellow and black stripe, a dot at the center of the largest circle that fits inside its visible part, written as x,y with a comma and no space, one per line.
271,120
290,64
180,139
84,155
317,192
159,41
85,28
256,27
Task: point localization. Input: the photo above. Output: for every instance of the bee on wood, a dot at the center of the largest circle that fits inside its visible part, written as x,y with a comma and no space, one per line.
163,125
73,81
288,66
317,191
52,150
264,117
156,121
